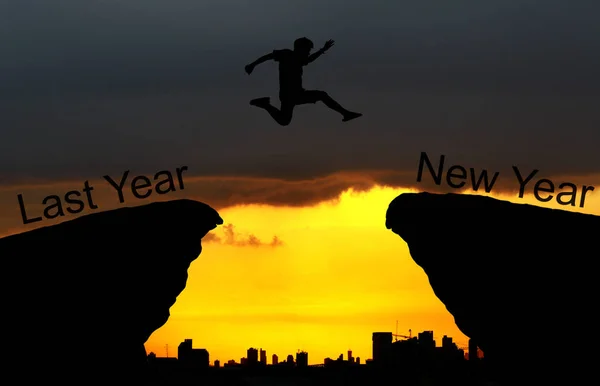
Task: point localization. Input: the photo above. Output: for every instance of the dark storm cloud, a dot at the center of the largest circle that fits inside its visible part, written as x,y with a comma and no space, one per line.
97,87
226,192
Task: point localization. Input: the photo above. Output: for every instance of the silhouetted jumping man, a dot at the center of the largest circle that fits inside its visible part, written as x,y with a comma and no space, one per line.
291,92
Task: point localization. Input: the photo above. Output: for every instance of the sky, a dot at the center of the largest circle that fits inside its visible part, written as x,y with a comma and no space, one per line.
99,88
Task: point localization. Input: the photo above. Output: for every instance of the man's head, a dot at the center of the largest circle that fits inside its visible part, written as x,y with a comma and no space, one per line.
303,45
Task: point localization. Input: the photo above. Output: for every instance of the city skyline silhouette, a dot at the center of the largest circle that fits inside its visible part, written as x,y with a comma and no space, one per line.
390,352
258,354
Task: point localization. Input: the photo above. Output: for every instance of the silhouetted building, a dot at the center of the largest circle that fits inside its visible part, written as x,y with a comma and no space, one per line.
275,359
472,350
447,342
217,363
192,356
154,360
290,359
302,359
252,355
420,353
263,357
426,339
340,363
382,347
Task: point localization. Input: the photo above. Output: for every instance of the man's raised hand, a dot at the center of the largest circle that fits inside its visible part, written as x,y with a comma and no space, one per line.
328,44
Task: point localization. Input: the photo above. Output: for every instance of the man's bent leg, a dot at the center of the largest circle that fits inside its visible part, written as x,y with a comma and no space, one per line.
286,112
313,96
283,116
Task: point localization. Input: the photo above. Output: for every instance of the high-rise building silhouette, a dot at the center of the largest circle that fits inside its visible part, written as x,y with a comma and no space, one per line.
302,359
382,346
252,356
192,356
426,339
263,357
275,359
472,350
447,342
350,357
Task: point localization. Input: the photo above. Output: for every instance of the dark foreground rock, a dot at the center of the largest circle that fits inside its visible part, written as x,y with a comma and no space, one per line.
518,279
81,298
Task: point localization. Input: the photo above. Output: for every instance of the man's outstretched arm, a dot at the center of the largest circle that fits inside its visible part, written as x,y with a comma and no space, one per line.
258,61
328,44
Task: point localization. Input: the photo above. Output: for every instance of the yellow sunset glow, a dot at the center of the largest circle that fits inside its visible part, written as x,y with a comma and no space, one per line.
338,276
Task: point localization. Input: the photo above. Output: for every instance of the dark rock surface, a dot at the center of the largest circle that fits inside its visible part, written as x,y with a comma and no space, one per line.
518,279
81,298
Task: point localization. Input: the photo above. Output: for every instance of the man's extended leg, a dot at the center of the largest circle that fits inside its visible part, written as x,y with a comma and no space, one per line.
313,96
282,116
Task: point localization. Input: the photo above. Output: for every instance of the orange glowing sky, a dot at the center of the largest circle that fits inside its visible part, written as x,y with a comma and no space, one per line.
338,277
335,276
